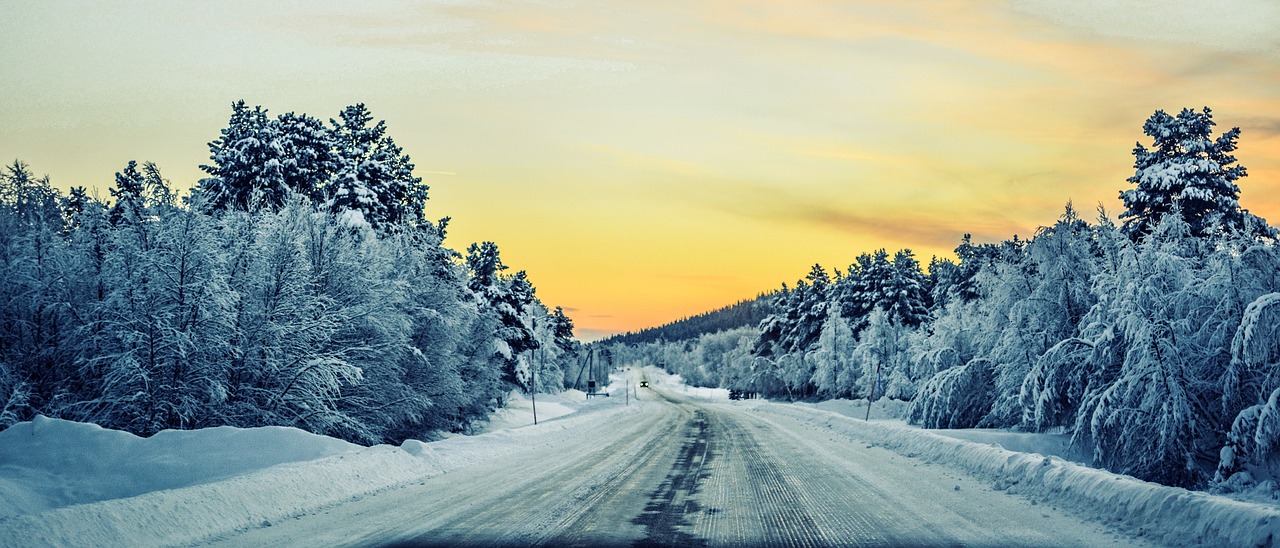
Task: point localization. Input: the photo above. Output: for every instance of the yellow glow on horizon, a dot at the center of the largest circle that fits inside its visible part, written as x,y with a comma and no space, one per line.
645,161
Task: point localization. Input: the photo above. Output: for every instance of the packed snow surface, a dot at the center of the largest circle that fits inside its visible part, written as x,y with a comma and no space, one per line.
1169,514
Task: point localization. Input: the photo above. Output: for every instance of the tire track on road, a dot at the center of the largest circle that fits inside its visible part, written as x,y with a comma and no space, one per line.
563,505
666,517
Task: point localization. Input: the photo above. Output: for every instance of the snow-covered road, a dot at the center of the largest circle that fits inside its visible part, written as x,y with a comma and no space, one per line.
687,472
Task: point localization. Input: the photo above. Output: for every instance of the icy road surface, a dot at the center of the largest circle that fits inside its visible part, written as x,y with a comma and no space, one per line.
692,473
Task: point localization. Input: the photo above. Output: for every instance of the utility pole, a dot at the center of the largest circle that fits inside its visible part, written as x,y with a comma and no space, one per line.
874,382
533,393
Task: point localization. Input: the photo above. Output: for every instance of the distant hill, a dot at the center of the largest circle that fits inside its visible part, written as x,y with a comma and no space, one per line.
742,313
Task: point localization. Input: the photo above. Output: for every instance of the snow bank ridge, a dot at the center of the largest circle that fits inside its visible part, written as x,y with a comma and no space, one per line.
1169,514
187,515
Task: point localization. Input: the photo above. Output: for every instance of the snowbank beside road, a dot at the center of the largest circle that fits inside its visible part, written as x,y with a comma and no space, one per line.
187,515
1172,515
49,463
519,409
173,489
882,409
895,412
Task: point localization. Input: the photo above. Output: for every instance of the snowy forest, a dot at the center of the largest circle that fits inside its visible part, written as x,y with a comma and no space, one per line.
739,314
1152,339
298,285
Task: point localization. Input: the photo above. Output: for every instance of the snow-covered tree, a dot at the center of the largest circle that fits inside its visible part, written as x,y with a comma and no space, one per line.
511,300
247,162
259,161
1142,412
1251,388
35,322
906,295
308,159
166,321
835,371
801,311
254,305
1189,172
896,286
374,176
882,352
957,397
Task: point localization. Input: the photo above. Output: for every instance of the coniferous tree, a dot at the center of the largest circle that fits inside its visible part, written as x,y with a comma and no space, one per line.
562,330
308,157
128,193
906,297
374,177
1188,172
248,163
510,301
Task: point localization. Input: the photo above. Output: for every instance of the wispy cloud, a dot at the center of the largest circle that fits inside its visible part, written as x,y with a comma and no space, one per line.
1267,126
1224,25
906,227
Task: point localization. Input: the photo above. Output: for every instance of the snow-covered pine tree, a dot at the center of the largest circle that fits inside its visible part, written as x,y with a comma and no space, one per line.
562,329
864,287
308,157
129,202
247,163
1188,171
375,177
484,264
509,300
906,296
787,335
810,312
773,327
568,348
517,306
943,281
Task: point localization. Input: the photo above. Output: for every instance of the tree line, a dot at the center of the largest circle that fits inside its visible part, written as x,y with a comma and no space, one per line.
741,313
299,285
1152,340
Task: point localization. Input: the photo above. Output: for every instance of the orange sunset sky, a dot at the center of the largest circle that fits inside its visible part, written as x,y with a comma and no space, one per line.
647,160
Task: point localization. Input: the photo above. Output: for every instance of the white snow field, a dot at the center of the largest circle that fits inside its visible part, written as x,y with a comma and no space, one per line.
680,466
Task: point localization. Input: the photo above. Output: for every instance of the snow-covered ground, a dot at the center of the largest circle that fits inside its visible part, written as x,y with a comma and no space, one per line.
51,463
520,408
895,411
74,484
64,483
1168,514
